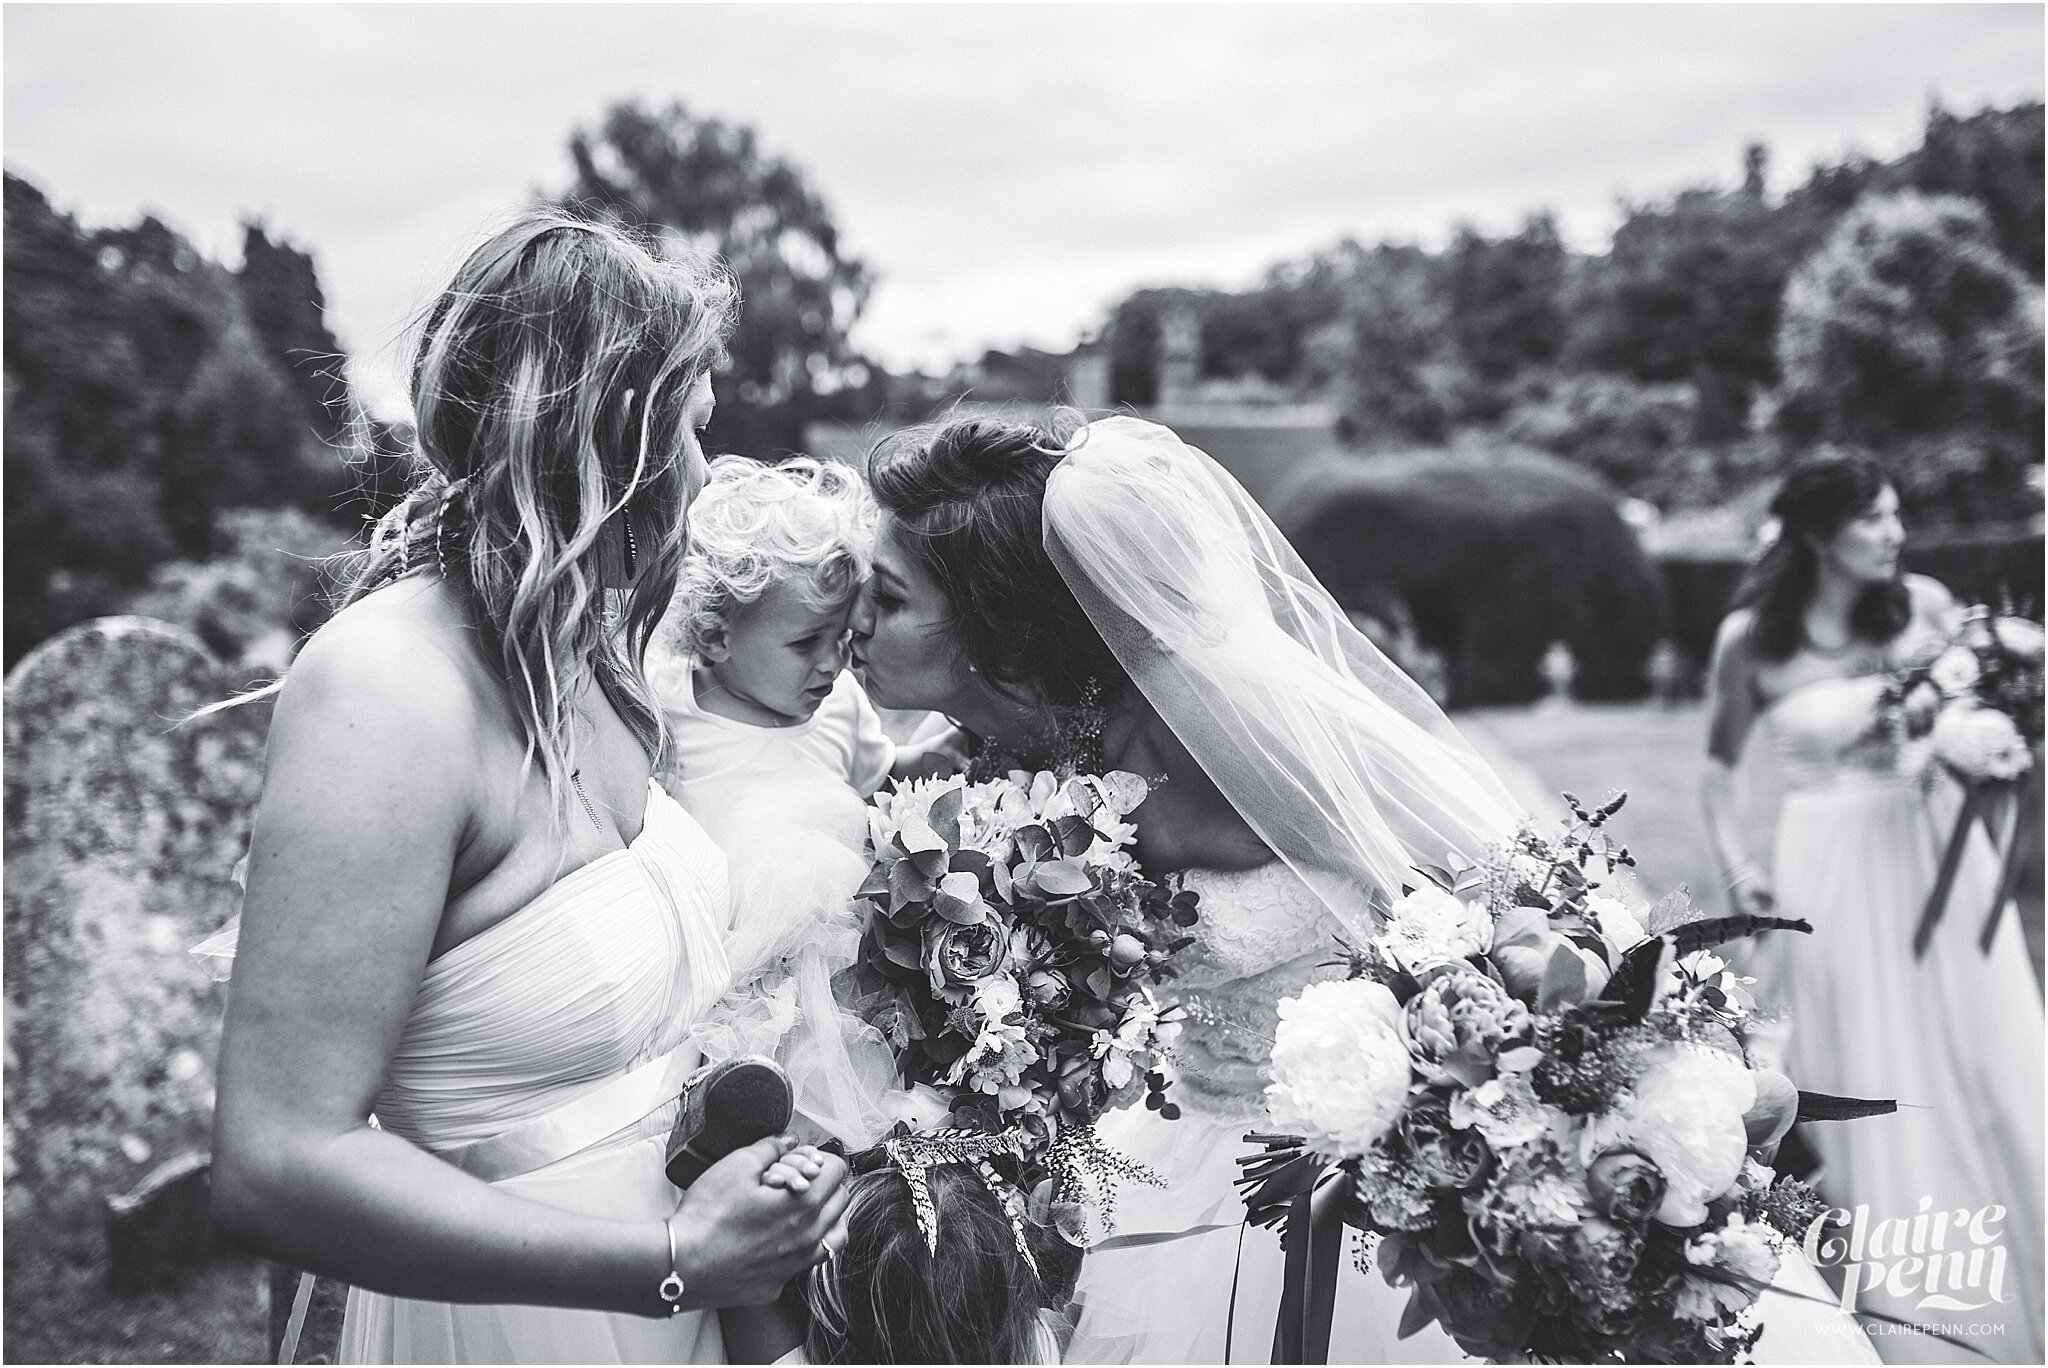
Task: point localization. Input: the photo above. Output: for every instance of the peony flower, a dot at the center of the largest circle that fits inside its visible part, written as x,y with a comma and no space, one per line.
1617,923
956,957
1955,671
1429,926
1775,1109
1457,1025
1980,743
1523,947
910,801
1685,1114
1444,1155
1340,1069
1739,1250
1049,988
1624,1185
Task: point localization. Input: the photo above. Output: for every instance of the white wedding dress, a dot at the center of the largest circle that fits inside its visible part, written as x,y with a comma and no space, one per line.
1955,1036
511,1033
1262,934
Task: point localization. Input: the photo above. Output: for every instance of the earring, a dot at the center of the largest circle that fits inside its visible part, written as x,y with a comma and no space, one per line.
632,550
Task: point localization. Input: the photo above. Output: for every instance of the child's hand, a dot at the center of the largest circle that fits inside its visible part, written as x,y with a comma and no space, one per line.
933,758
795,1170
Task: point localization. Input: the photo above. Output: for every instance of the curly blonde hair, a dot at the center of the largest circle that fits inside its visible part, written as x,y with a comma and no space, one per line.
550,388
801,521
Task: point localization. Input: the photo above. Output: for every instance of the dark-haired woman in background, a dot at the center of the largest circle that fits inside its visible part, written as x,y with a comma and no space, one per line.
1954,1036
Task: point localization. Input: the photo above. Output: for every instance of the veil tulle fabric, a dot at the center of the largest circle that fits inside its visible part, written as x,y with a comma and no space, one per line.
1341,763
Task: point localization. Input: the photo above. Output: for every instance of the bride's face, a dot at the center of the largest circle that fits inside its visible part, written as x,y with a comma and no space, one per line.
902,648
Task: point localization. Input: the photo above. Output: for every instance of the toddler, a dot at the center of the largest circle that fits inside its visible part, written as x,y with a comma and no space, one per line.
940,1264
774,749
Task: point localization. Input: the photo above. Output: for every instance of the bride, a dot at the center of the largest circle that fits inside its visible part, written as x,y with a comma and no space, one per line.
1108,597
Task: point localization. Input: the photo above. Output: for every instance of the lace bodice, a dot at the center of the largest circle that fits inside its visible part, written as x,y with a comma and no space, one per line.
1822,734
1262,934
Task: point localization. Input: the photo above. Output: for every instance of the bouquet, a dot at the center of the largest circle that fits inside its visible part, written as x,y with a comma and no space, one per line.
1536,1097
1971,707
1008,959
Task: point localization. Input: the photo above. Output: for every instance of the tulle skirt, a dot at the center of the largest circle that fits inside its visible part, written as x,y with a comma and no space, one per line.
1174,1301
624,1183
1955,1037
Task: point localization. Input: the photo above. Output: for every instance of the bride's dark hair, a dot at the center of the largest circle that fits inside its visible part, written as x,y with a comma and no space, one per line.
1820,496
969,498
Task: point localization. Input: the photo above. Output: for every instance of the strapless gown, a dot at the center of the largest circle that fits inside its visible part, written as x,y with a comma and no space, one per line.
1212,1297
1954,1036
606,970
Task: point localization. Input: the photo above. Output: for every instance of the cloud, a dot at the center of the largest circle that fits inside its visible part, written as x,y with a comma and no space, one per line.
1008,170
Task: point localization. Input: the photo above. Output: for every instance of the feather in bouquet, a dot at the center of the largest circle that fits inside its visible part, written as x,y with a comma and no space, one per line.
1538,1099
1971,707
1008,959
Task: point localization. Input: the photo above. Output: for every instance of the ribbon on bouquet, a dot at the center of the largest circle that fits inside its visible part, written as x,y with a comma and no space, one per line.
1989,804
1306,1195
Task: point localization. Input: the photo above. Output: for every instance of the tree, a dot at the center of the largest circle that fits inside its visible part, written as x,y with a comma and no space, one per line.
710,184
1505,297
1689,291
1911,333
1402,383
141,399
281,291
1995,158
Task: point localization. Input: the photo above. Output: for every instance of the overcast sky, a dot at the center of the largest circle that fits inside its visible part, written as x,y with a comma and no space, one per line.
1008,171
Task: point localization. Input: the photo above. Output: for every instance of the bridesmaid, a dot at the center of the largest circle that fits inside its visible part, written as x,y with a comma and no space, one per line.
469,911
1954,1036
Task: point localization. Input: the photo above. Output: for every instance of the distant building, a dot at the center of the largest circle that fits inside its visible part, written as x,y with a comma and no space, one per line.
1254,427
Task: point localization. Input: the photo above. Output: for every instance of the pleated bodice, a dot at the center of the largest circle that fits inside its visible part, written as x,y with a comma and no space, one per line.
605,969
1822,732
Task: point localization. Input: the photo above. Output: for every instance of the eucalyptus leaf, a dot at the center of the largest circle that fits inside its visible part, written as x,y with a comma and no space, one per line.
1062,879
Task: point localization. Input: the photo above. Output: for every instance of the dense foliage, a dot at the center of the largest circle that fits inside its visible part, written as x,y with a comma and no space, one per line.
711,184
1722,330
148,389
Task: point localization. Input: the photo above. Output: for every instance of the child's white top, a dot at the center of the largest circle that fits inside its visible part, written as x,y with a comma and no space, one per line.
842,739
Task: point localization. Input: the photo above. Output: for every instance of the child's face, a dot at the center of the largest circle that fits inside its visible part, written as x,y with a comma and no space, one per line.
782,655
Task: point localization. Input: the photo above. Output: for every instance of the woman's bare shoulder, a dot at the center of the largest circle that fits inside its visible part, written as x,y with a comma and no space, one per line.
395,664
1930,597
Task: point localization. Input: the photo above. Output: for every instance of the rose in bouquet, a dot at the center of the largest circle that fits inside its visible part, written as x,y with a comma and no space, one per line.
1537,1097
1010,953
1970,707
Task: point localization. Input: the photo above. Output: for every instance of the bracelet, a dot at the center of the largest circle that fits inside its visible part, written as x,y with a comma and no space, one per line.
671,1288
1743,873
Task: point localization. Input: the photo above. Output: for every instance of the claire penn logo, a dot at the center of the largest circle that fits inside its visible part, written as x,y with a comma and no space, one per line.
1948,1260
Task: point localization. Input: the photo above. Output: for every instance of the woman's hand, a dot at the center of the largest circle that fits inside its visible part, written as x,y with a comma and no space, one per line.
739,1238
1749,892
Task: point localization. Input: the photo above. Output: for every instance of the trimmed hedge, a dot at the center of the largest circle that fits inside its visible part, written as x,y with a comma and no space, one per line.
1496,555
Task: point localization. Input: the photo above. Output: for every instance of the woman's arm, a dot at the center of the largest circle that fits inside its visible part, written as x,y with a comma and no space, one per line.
368,800
1731,712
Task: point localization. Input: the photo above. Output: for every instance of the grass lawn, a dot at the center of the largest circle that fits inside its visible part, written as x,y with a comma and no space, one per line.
1655,755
